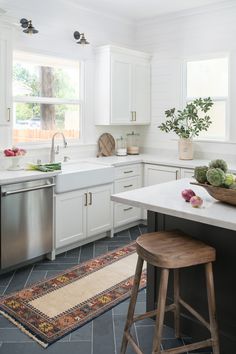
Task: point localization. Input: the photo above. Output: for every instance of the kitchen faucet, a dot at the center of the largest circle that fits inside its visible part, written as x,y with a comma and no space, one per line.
53,151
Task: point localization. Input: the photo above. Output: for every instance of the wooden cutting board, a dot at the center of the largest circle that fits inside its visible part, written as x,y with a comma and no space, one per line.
106,145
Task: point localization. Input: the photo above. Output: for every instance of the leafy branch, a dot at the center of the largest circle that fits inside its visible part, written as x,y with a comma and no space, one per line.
189,122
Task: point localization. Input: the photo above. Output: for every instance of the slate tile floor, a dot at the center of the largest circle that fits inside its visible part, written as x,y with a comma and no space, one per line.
101,336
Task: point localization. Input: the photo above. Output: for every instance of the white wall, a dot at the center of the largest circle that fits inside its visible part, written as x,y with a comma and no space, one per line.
56,22
171,40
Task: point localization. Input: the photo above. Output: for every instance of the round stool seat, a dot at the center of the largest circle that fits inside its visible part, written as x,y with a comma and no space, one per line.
173,249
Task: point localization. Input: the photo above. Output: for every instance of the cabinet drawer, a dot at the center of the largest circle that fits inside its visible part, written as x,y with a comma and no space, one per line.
124,214
127,184
127,171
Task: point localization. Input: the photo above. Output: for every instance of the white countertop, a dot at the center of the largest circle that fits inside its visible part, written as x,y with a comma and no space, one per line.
8,177
116,161
154,159
166,198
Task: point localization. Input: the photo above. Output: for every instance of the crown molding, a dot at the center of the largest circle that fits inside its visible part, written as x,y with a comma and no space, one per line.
221,5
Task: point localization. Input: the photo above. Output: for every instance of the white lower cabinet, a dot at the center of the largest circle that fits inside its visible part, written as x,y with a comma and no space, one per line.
127,178
187,173
155,174
99,210
81,214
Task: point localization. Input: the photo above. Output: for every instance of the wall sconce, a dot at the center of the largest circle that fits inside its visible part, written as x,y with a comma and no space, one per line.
29,28
80,37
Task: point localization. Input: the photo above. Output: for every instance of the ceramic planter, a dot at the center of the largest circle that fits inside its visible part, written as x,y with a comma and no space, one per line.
185,149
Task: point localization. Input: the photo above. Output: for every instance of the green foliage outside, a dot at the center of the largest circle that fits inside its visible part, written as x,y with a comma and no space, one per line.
30,83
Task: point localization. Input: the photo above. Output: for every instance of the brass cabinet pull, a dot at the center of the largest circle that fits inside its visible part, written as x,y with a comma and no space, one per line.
130,185
90,198
86,199
8,114
132,116
128,209
135,116
128,171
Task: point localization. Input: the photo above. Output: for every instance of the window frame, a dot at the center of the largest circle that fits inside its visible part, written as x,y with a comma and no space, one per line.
53,100
226,99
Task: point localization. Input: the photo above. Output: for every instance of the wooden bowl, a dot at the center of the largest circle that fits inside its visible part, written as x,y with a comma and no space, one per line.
224,195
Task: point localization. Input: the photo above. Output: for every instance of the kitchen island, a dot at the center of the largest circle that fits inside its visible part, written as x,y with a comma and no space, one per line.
215,224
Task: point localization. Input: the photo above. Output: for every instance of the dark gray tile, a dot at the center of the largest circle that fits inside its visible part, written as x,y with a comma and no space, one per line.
134,232
73,253
5,278
36,276
143,228
122,308
83,333
19,279
9,335
86,252
172,343
145,337
4,323
57,348
119,324
103,335
54,266
100,250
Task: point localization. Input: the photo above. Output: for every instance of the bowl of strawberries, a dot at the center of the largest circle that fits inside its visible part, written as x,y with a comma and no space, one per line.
15,155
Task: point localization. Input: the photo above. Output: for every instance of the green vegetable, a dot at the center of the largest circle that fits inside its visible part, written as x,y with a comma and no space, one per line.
218,163
233,186
229,179
47,167
215,176
200,174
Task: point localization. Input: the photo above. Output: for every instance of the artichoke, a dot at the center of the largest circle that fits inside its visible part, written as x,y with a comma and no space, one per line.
200,174
215,176
219,164
229,179
233,186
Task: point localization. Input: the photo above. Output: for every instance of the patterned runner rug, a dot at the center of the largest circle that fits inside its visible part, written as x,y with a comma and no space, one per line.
50,309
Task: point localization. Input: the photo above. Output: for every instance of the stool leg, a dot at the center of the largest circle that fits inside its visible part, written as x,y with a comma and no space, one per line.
156,349
132,304
176,302
212,308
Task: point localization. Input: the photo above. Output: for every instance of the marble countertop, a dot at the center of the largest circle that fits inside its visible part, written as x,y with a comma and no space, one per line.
166,198
8,177
154,159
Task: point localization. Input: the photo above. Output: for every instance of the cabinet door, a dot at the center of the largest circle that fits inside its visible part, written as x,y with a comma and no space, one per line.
99,210
5,76
187,173
141,93
155,174
121,91
70,218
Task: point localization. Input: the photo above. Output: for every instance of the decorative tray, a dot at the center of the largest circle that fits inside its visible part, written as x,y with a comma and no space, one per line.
222,194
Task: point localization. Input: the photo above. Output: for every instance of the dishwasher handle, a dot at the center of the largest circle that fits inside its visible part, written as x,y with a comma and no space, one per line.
24,190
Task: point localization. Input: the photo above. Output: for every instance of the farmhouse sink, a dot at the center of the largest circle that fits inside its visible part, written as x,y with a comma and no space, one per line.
83,174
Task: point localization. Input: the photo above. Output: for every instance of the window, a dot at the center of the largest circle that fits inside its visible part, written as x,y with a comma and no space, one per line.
46,97
210,78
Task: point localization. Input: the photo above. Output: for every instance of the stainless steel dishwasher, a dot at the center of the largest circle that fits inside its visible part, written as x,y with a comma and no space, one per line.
26,221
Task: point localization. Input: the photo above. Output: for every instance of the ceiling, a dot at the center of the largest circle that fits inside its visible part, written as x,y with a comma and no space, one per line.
143,9
132,10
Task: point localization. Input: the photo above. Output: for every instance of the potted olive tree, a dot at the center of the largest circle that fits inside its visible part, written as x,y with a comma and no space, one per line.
188,123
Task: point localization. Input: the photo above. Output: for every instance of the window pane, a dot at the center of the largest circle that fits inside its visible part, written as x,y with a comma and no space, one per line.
45,79
207,78
218,116
34,122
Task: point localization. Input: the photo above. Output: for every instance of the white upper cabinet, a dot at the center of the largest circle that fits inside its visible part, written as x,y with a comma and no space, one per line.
122,86
5,75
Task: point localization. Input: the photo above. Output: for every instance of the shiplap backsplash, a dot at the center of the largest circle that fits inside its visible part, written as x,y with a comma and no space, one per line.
173,40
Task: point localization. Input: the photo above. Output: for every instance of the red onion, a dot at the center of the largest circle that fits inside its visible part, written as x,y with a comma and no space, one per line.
187,194
196,201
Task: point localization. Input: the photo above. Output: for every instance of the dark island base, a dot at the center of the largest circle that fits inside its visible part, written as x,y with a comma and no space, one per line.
193,289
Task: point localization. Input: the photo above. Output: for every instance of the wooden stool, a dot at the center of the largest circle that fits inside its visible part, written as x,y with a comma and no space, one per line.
172,250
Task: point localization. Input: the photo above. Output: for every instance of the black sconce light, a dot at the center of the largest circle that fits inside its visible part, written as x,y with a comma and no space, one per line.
80,37
29,28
